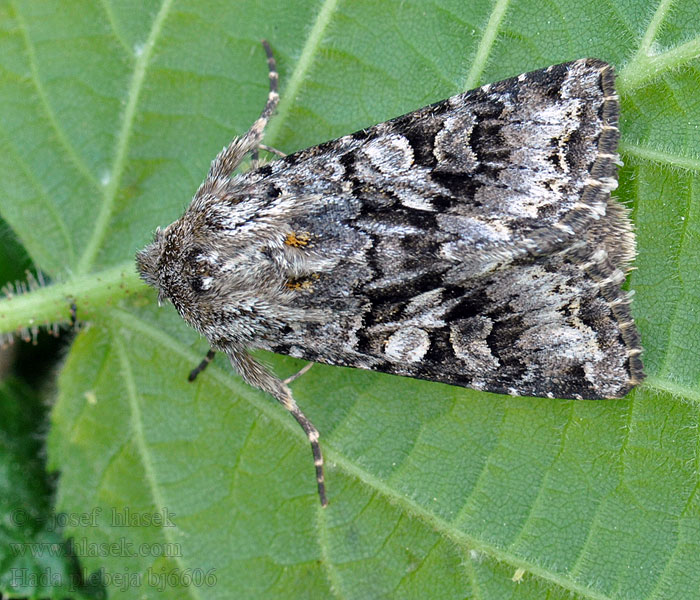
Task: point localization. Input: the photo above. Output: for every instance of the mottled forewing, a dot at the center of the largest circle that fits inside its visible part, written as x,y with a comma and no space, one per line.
472,242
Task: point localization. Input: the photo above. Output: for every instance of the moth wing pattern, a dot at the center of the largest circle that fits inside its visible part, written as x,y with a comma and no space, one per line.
472,242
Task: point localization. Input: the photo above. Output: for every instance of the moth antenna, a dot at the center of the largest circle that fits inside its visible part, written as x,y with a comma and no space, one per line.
256,375
231,156
312,434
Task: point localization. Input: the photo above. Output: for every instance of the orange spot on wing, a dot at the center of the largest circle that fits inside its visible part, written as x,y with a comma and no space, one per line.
298,240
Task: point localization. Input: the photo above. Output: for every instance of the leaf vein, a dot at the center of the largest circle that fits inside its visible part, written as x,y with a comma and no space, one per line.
332,574
655,155
48,110
541,488
143,451
653,28
43,196
310,48
118,165
113,22
488,39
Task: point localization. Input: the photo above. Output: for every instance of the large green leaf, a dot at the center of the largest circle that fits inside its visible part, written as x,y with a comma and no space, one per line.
109,115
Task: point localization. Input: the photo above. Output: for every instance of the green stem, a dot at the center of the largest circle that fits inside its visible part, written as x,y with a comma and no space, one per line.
51,304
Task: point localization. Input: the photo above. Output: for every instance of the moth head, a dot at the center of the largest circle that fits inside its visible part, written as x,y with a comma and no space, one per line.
178,268
147,260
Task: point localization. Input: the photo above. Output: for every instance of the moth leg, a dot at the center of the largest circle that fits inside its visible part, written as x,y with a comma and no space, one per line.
231,156
201,366
257,376
298,374
255,155
255,161
272,150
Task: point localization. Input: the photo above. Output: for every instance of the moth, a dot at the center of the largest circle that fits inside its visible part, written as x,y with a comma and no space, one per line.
472,242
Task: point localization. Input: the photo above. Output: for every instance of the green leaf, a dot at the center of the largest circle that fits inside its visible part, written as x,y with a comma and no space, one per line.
13,258
109,116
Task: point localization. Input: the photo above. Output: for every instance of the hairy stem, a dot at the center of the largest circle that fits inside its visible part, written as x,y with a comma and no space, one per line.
51,304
